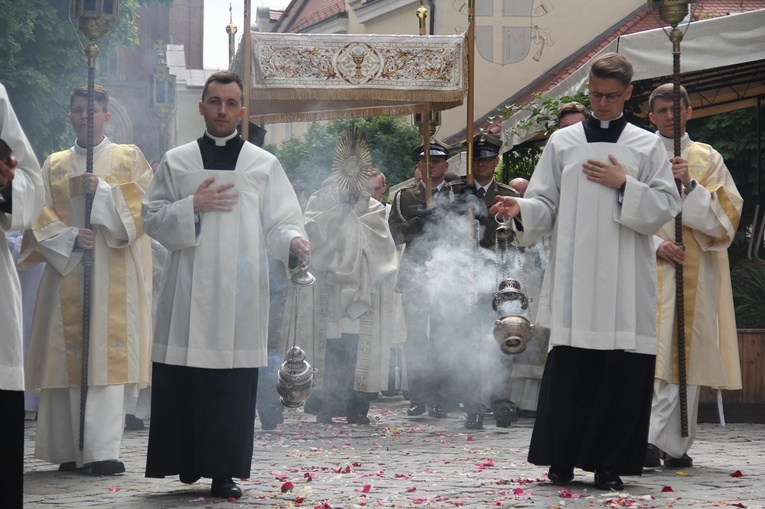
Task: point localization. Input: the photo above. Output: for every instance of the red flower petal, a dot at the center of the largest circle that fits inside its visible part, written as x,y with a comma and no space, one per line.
299,500
737,473
411,490
470,438
288,486
667,489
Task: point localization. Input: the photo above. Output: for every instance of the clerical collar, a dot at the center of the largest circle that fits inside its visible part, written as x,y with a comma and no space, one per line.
220,153
607,131
669,143
221,142
81,148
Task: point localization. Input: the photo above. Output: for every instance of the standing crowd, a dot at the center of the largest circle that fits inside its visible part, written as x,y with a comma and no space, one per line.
178,278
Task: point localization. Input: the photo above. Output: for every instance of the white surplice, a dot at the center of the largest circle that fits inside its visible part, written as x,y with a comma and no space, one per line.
212,309
602,270
27,202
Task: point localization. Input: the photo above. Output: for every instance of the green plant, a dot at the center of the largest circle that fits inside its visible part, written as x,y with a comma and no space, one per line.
748,280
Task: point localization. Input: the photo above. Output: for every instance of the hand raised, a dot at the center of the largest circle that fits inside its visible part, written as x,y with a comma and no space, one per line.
506,207
214,199
610,174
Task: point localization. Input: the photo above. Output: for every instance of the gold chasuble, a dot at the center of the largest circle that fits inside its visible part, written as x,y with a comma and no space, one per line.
711,215
120,314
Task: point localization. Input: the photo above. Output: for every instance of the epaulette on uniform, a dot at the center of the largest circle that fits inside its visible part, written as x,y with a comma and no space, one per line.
506,187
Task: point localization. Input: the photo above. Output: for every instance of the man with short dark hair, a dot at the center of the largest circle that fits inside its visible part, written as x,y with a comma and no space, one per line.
218,204
485,378
711,213
120,294
408,218
571,113
376,185
601,188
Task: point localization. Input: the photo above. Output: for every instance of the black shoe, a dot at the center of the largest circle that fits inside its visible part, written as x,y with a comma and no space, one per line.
505,417
324,419
683,462
474,421
108,467
225,488
133,423
530,414
559,474
437,412
416,409
357,419
652,457
69,466
189,478
607,480
269,423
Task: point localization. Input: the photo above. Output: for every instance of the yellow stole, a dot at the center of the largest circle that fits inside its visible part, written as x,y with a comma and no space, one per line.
63,189
698,168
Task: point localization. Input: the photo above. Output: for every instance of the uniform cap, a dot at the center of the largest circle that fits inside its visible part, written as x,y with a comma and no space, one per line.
437,148
486,146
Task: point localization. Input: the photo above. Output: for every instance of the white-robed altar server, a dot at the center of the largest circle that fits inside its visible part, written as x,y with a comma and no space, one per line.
217,204
711,213
21,200
120,298
602,188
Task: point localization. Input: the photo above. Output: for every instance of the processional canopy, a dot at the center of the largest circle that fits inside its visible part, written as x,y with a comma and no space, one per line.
307,77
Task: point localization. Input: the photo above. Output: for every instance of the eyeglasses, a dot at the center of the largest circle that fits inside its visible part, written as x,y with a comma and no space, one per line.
597,96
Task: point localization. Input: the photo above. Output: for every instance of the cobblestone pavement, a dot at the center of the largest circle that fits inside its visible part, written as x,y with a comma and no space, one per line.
417,462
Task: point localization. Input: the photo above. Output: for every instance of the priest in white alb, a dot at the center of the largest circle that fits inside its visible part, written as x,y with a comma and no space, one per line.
348,333
120,295
601,189
711,213
218,205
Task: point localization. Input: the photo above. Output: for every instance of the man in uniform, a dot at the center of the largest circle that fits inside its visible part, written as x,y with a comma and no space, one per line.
217,204
486,376
409,219
120,294
21,199
711,212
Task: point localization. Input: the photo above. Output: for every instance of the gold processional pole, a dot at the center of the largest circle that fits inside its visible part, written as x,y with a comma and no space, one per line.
96,18
470,212
471,90
422,15
673,12
246,70
231,31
